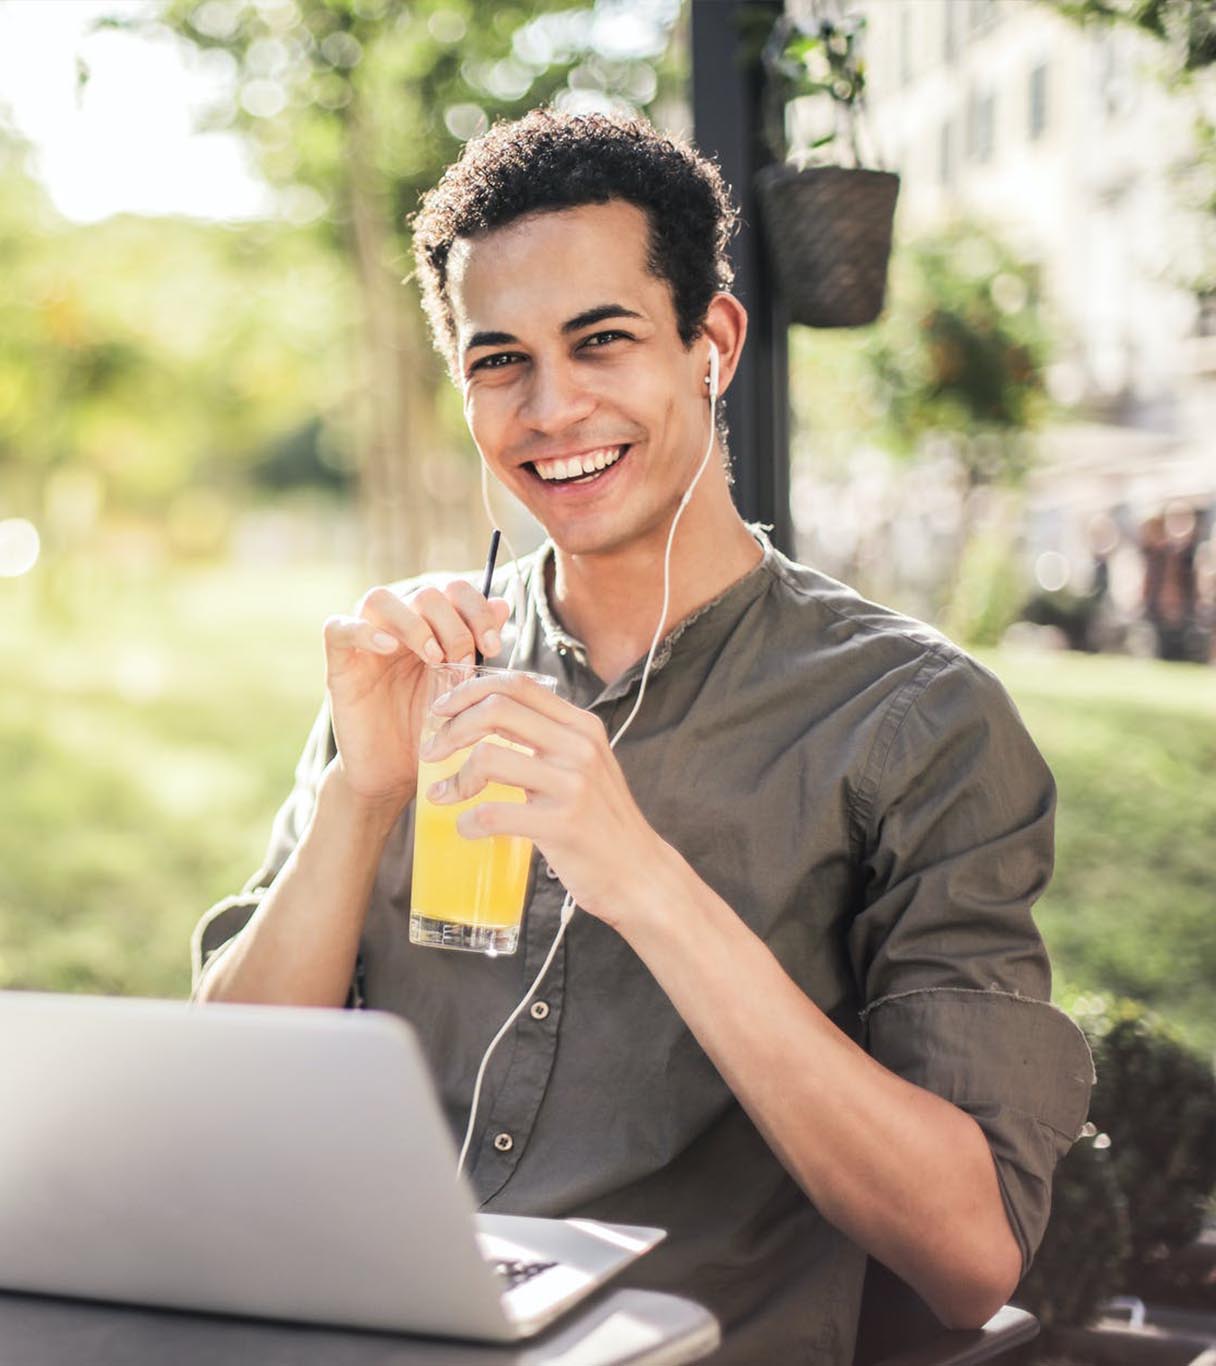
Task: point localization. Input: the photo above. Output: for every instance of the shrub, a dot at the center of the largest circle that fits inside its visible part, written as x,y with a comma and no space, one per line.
1134,1188
1157,1101
1084,1252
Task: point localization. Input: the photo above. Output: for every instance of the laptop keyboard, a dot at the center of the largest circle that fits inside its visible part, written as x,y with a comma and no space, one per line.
515,1273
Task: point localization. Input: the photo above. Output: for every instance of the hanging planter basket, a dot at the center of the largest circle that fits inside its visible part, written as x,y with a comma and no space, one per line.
829,236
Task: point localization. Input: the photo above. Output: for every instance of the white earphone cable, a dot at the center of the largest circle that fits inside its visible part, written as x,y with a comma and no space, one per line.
568,906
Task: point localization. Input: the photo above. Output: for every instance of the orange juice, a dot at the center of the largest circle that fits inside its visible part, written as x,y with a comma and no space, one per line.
467,893
478,882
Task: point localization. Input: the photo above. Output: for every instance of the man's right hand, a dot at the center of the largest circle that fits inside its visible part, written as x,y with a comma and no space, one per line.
375,674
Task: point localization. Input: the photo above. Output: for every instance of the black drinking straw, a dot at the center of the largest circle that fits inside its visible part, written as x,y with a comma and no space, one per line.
495,536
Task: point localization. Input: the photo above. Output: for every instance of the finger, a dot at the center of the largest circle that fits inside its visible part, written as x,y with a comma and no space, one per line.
356,633
502,716
521,688
494,763
449,627
526,819
477,613
386,611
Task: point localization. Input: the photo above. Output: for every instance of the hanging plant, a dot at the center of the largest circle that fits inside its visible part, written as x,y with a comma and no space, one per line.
828,225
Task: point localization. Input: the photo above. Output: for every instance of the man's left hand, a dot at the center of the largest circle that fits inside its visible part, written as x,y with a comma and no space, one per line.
578,809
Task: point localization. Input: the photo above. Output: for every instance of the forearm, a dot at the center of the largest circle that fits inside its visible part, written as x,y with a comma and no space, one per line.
300,946
905,1174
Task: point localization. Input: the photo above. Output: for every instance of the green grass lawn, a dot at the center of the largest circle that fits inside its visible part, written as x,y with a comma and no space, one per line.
1132,907
149,725
148,731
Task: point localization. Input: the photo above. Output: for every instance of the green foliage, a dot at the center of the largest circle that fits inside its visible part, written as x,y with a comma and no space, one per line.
961,352
957,360
368,96
141,356
1156,1099
1135,1188
802,60
353,108
988,591
1185,32
1194,177
1081,1260
1188,27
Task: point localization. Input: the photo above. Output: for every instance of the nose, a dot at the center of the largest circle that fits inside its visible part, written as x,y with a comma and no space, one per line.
555,399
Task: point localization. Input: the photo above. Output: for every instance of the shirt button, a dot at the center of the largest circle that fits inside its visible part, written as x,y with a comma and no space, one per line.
504,1142
540,1010
549,873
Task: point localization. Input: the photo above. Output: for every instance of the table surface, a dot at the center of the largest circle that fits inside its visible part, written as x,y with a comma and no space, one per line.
618,1328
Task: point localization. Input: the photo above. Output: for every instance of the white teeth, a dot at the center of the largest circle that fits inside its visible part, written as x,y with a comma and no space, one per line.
575,466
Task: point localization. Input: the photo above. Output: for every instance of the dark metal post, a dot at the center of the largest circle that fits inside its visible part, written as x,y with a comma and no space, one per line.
726,101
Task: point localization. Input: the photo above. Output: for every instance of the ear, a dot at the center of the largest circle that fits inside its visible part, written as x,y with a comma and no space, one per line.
725,328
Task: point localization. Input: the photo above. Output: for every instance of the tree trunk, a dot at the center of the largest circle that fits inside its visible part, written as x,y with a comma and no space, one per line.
391,421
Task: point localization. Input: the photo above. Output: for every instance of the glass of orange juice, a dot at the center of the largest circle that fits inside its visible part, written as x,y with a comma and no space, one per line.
466,893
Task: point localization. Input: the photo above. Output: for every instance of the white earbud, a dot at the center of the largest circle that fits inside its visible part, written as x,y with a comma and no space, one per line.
712,381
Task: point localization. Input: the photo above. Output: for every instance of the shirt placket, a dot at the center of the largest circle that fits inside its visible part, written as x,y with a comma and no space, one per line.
532,1044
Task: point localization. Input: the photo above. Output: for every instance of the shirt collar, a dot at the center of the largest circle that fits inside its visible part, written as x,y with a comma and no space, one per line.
700,628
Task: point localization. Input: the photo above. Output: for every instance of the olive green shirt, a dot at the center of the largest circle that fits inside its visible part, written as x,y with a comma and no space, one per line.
866,798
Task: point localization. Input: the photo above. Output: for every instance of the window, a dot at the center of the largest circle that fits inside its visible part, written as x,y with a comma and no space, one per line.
950,32
983,15
980,128
985,140
945,154
1038,102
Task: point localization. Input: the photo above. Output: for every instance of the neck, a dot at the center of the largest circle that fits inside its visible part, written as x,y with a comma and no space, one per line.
611,600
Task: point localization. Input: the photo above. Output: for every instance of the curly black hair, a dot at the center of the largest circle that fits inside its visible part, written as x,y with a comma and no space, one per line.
549,160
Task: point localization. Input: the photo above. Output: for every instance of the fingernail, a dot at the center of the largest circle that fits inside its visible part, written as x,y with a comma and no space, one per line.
441,702
433,652
437,791
493,642
383,641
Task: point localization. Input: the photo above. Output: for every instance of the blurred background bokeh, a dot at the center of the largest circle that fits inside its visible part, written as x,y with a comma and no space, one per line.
220,418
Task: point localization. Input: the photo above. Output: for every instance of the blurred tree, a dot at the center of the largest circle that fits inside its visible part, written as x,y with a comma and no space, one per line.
953,371
353,108
1185,34
960,354
1186,27
138,356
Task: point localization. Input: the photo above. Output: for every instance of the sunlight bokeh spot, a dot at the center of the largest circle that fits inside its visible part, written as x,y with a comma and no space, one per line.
1052,571
19,547
140,675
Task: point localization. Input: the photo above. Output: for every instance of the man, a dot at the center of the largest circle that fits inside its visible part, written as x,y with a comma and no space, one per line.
800,1014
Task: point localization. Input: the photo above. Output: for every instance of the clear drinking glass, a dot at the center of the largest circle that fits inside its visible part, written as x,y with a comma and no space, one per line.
466,893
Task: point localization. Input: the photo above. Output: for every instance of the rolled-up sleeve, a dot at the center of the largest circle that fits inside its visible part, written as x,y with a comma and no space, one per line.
960,811
224,921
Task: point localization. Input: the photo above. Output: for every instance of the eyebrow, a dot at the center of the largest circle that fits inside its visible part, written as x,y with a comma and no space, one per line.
588,318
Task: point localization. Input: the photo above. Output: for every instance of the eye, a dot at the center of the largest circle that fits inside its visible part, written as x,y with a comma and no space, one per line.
498,361
600,339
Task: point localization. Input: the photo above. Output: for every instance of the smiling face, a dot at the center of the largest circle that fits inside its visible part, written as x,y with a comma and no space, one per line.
579,392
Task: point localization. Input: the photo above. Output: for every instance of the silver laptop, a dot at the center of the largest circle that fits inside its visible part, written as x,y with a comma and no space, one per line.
282,1163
